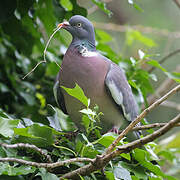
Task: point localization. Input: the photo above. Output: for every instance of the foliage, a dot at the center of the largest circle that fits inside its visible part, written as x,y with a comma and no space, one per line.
28,113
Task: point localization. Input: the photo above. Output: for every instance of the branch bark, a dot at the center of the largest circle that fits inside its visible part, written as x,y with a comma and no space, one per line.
46,165
101,161
27,146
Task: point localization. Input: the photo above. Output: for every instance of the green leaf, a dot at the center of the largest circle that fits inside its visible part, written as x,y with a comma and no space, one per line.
126,156
66,4
138,7
46,175
88,111
156,64
30,100
121,173
78,93
7,126
52,69
39,135
6,169
60,121
138,170
167,155
109,175
106,139
104,37
133,35
141,156
41,99
134,178
86,121
175,76
102,6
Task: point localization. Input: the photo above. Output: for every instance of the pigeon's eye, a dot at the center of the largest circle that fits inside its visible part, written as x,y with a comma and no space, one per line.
79,25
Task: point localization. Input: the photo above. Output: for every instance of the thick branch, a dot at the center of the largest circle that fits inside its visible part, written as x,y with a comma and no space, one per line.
138,143
141,116
46,165
101,161
27,146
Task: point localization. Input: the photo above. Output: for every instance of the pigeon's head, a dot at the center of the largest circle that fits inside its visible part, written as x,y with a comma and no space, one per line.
80,28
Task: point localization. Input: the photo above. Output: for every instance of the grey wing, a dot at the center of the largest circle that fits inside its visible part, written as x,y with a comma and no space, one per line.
59,96
121,92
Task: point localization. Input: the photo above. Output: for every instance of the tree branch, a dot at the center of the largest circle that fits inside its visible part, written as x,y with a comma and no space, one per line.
46,165
149,126
138,143
142,29
165,58
27,146
141,116
177,3
101,161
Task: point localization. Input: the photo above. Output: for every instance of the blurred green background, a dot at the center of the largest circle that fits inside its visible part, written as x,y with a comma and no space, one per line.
145,27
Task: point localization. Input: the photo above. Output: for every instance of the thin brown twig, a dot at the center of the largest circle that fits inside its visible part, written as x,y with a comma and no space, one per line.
101,161
46,165
141,116
165,58
149,126
27,146
162,89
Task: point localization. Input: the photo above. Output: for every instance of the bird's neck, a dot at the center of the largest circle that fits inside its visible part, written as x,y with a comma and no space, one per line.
83,45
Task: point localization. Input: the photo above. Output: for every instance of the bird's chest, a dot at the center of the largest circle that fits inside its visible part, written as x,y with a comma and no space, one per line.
88,72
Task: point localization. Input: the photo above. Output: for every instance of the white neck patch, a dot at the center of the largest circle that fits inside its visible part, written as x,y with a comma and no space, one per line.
85,53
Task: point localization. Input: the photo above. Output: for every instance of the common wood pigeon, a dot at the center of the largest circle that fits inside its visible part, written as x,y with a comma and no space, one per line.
103,81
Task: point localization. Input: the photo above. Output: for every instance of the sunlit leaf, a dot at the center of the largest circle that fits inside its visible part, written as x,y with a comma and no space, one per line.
78,93
46,175
88,112
7,126
102,6
67,5
156,64
39,135
109,175
133,35
106,139
6,169
41,99
104,37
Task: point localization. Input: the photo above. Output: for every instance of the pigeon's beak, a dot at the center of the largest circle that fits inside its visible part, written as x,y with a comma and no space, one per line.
63,25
